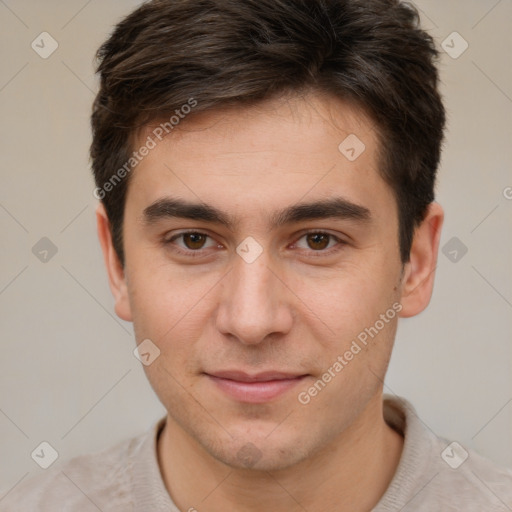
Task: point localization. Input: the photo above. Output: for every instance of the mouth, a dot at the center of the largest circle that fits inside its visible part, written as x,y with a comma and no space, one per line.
254,388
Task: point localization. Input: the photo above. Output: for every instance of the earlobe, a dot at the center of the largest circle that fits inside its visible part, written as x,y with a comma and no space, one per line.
418,278
115,271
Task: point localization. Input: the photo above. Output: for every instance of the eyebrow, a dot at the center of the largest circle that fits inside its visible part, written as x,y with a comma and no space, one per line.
332,208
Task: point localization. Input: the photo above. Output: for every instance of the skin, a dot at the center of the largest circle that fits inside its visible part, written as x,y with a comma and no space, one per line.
296,308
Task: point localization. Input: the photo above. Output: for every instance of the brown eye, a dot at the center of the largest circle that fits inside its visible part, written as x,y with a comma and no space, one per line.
318,241
194,241
193,244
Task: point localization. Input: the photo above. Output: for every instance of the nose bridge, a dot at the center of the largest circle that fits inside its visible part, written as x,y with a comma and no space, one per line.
253,303
252,281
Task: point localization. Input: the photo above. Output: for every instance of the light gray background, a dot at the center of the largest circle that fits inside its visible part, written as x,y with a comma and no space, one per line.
67,372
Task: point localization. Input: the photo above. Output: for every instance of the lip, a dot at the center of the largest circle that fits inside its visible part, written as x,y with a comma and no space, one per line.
256,388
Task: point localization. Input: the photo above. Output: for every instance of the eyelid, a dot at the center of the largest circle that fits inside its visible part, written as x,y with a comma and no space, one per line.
325,252
170,240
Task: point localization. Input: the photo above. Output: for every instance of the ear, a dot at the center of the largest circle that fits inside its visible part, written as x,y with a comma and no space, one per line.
418,278
115,271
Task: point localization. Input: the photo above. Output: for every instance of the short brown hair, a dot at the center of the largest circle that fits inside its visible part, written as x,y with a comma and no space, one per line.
231,52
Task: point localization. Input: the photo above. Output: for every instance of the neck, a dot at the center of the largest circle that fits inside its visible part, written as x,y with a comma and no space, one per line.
352,473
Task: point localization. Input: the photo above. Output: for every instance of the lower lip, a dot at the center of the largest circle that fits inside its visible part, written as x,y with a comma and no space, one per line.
255,392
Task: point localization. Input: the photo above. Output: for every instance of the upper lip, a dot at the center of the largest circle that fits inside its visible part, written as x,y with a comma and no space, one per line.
257,377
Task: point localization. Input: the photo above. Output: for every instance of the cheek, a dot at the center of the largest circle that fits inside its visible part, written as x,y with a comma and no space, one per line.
341,303
164,298
174,312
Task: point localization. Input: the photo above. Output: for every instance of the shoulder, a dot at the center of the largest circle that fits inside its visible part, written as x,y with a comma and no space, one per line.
82,483
435,473
467,481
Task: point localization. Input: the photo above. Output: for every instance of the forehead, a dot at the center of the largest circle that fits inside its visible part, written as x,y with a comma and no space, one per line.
314,114
263,156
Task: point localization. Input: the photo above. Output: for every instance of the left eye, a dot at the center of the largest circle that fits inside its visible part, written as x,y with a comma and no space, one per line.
318,241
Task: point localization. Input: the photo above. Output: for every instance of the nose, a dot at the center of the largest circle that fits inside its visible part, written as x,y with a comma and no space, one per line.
255,302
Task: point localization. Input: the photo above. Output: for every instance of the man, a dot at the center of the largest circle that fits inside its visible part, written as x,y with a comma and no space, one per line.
265,171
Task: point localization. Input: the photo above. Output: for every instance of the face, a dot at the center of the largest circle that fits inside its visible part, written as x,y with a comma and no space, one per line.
274,320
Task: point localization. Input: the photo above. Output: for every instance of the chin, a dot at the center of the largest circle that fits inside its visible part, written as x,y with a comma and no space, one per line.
259,454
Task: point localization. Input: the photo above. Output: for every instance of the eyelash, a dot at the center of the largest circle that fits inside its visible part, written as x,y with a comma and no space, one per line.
199,252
